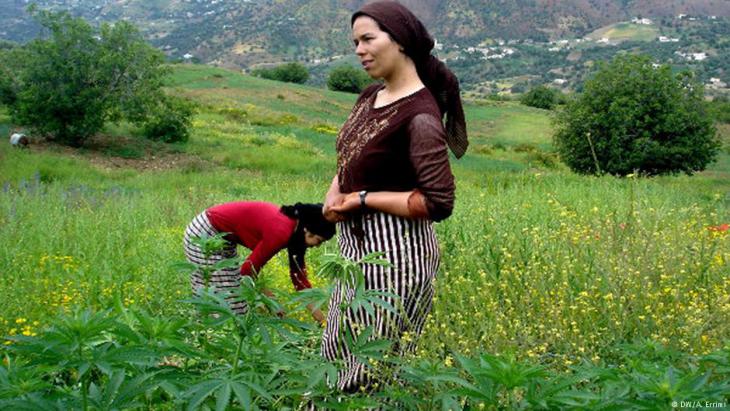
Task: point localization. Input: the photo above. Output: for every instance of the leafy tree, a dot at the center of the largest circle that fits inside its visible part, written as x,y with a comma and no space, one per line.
8,76
289,73
636,116
68,85
347,78
170,122
540,97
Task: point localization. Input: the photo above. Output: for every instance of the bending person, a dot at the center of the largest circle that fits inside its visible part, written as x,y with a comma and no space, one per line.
263,228
393,177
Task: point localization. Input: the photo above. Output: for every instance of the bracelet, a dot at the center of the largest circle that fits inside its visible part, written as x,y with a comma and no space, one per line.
363,194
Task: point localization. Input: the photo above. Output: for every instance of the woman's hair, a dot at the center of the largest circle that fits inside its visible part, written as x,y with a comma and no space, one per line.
408,31
310,217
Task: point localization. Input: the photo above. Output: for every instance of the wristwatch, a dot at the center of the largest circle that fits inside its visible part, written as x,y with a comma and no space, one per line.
363,194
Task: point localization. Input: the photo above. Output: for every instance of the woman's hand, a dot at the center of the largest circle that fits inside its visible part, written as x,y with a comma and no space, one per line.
334,198
328,210
350,202
316,313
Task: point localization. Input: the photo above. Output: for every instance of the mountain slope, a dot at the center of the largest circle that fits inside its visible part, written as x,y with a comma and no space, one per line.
246,32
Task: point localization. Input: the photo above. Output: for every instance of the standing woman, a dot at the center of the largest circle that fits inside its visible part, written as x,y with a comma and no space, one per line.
393,176
263,228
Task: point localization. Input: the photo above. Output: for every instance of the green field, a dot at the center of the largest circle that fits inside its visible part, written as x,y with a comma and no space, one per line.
540,266
626,31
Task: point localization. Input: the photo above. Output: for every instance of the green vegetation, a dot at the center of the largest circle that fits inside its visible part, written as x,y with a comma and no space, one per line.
540,97
70,85
347,78
635,117
556,290
170,120
626,31
288,73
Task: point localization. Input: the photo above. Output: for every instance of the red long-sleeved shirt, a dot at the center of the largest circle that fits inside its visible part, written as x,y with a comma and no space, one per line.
263,229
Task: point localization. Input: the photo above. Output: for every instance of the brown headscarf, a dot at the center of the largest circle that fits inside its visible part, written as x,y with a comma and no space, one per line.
406,30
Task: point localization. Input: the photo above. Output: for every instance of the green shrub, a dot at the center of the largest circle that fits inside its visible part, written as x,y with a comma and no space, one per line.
347,78
171,121
540,97
635,116
719,108
289,73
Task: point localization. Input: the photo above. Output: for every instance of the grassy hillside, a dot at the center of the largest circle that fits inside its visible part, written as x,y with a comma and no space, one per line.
625,31
544,266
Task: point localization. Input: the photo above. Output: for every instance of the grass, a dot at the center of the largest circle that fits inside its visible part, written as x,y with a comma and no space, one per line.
626,31
538,263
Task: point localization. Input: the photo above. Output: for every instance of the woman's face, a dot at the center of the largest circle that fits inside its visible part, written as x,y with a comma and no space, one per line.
311,239
379,55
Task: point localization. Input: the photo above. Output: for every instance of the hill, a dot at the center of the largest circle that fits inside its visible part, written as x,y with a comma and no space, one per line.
248,32
506,46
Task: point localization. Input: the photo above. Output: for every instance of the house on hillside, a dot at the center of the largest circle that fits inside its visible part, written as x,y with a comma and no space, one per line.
716,83
692,56
665,39
643,21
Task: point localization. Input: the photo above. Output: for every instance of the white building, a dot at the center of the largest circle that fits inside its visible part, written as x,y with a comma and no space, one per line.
692,56
665,39
643,21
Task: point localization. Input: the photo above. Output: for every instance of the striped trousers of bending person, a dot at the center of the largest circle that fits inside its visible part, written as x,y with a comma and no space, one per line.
412,250
225,281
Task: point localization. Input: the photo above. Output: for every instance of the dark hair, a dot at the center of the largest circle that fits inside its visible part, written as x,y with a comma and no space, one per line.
309,216
409,32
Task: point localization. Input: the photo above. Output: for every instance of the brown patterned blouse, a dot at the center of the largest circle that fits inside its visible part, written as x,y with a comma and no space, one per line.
398,147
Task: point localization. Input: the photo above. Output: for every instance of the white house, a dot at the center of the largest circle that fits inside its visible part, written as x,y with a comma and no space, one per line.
716,83
643,21
692,56
665,39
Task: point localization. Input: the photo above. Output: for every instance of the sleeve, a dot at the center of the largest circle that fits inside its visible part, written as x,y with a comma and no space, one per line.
430,159
261,254
298,271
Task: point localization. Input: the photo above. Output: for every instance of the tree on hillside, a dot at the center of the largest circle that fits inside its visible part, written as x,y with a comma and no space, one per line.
348,78
289,73
8,80
540,97
68,85
636,116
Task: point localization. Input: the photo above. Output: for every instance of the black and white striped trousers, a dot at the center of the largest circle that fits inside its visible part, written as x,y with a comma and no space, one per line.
412,249
226,281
